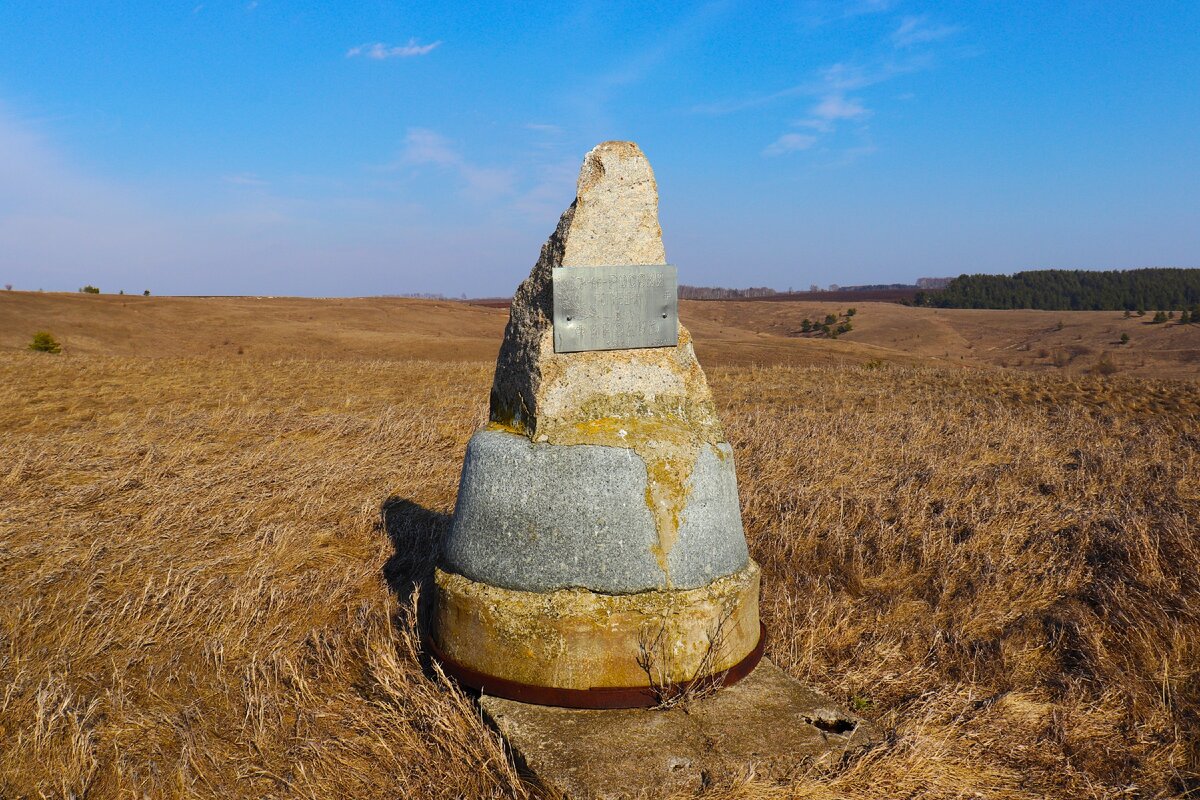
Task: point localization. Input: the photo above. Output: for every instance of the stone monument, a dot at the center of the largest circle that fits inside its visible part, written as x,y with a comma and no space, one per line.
596,557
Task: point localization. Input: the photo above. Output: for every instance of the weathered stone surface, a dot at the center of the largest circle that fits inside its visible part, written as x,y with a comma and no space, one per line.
576,639
540,517
600,507
764,723
603,754
770,717
613,221
654,401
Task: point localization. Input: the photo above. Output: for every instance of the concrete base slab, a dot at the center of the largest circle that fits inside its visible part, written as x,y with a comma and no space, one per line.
768,723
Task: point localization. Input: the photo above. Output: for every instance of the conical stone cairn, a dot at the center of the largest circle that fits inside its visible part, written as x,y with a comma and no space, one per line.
597,541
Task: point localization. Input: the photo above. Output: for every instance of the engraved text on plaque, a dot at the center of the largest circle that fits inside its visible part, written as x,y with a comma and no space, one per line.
615,308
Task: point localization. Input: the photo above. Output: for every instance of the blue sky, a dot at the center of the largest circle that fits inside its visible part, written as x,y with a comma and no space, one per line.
359,148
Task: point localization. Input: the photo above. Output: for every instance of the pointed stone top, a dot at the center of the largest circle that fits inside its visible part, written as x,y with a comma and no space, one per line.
616,210
577,397
654,401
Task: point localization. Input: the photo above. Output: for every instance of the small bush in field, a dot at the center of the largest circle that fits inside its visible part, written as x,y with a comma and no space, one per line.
89,289
43,342
860,703
1124,338
832,326
1105,366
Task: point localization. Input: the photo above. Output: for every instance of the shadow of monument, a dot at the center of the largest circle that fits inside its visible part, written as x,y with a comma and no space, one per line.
416,534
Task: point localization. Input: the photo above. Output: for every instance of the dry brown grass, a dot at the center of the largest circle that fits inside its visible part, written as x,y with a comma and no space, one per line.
206,567
726,332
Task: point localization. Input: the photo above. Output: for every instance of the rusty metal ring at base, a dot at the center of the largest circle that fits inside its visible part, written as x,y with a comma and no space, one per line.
599,697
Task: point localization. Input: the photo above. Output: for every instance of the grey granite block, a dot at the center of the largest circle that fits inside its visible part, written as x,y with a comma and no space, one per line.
540,517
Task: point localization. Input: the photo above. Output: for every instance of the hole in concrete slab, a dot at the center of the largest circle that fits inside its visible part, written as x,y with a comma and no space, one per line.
831,725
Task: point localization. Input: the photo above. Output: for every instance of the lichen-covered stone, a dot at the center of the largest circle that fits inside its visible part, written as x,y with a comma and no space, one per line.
597,540
655,401
576,639
540,517
613,221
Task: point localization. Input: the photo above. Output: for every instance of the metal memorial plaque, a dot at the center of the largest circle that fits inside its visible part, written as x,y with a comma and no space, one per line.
615,308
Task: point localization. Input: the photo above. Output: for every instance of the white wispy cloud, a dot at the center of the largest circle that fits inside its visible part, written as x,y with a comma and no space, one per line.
919,30
538,187
550,188
865,7
423,146
722,107
822,121
63,226
632,62
243,179
834,111
790,142
379,51
426,147
818,13
839,77
852,154
836,106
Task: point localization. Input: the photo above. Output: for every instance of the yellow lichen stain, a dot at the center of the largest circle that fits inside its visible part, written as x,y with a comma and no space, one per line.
666,433
506,427
511,413
667,492
630,432
669,447
665,423
690,401
579,639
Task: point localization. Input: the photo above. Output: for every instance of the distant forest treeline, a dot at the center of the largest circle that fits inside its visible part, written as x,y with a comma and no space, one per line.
1072,290
721,293
834,291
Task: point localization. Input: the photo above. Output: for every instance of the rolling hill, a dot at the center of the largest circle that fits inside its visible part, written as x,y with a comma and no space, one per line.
726,332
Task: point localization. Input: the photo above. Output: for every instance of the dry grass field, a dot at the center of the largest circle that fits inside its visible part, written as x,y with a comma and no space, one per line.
209,561
727,332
